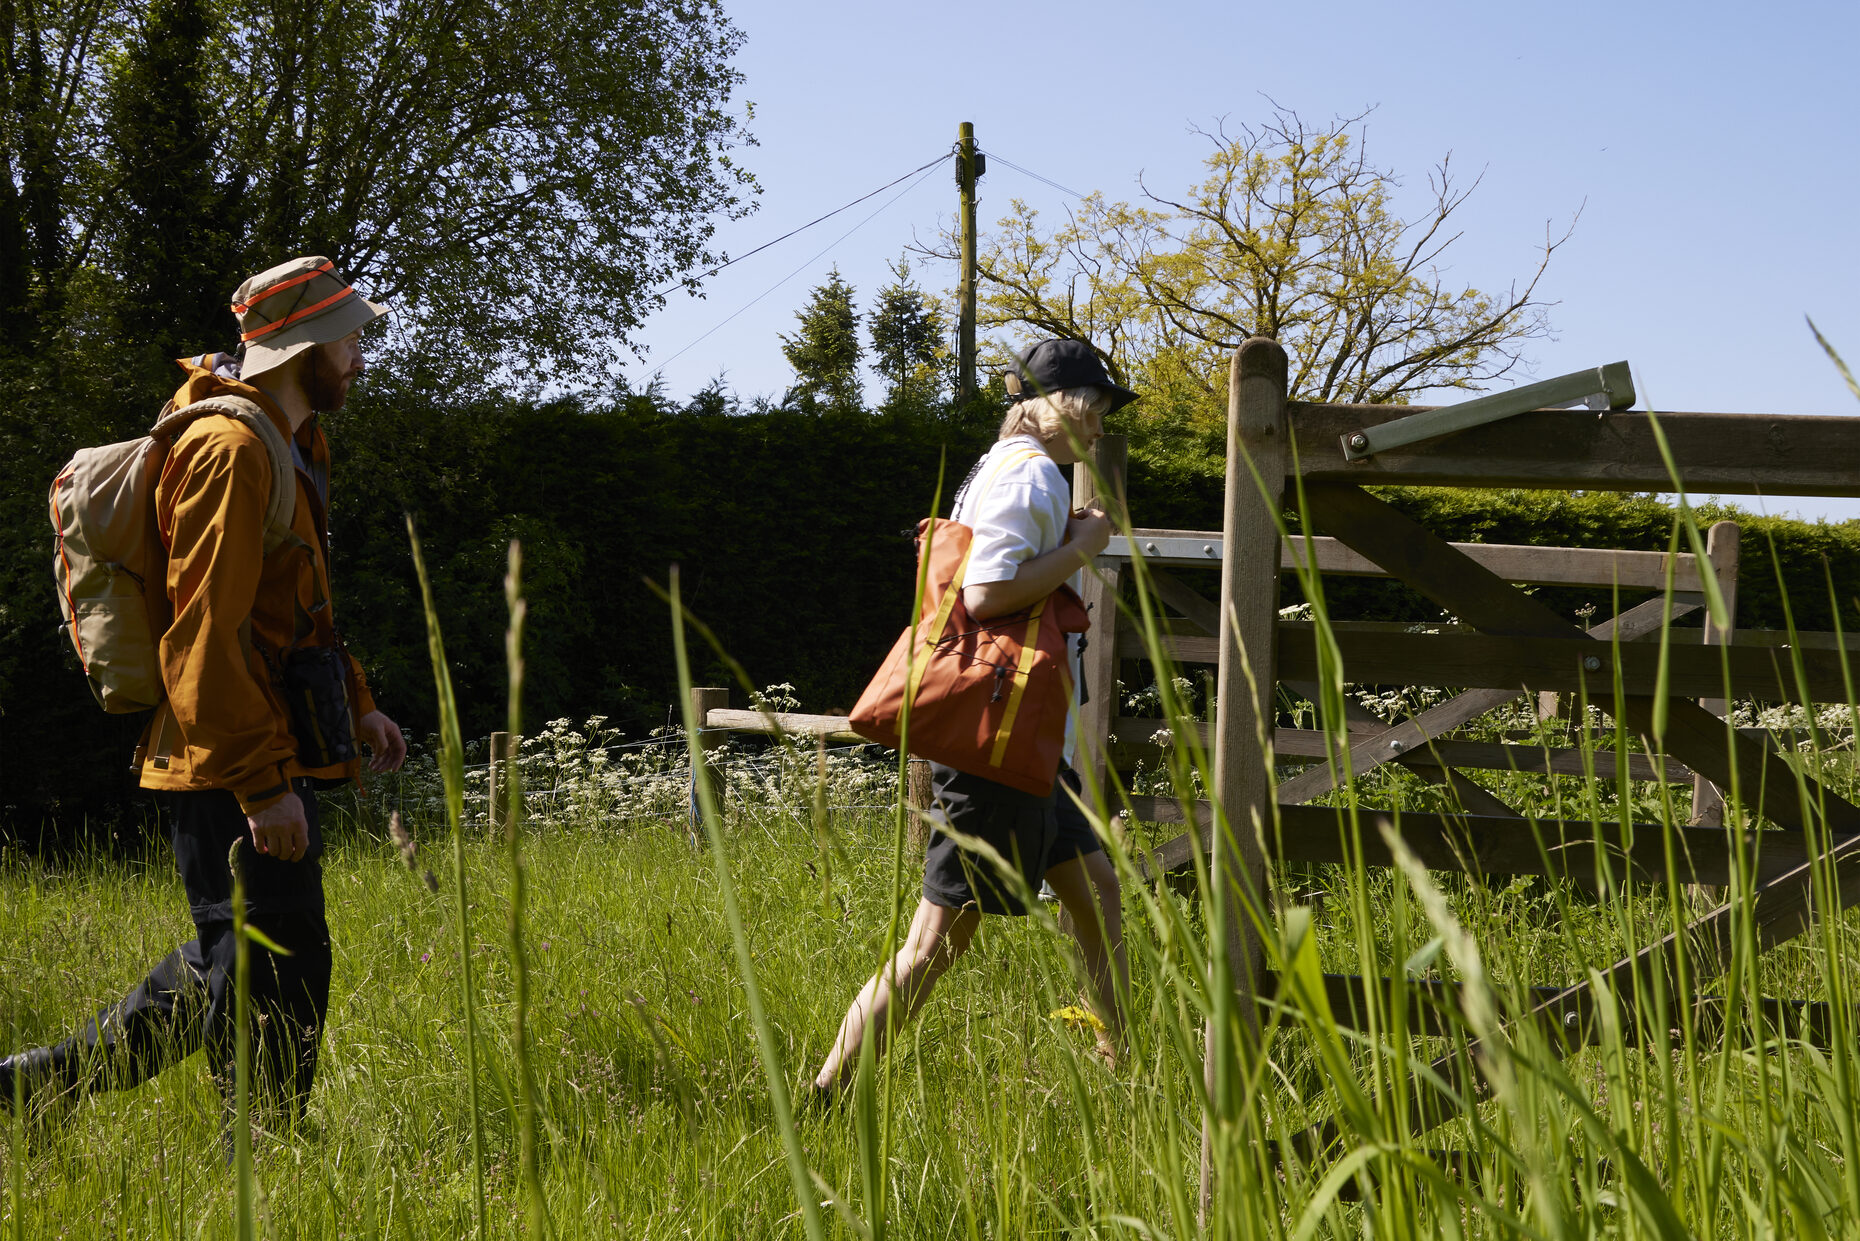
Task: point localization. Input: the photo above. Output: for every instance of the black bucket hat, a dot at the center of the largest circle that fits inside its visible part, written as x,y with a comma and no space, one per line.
1054,365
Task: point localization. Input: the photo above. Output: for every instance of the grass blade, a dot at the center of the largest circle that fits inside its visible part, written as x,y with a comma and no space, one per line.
242,1052
452,772
536,1207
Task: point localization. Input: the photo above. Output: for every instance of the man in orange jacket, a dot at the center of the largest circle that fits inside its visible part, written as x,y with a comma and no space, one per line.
264,705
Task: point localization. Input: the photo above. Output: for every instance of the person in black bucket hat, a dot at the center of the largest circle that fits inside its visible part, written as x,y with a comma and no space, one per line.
1055,365
1028,540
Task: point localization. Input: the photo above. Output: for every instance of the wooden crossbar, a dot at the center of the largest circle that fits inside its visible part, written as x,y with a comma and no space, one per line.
1485,845
1519,663
1524,563
1133,735
1714,454
836,728
1353,997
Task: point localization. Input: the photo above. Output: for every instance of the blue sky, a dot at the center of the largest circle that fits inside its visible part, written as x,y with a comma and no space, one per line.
1709,147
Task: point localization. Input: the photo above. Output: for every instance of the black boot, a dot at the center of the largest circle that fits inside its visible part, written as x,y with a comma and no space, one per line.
37,1076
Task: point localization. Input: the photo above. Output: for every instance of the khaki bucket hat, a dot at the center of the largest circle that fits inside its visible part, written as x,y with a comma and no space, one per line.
288,308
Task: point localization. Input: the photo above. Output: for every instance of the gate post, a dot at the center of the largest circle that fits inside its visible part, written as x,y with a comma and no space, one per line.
1722,550
1099,663
704,700
917,794
1257,456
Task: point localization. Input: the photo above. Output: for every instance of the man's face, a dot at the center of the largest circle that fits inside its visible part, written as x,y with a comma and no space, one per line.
332,368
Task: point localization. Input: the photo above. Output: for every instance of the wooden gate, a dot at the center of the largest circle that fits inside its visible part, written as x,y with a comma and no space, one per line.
1507,644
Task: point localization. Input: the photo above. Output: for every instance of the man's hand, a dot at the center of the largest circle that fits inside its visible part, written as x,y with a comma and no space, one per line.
280,829
387,749
1088,533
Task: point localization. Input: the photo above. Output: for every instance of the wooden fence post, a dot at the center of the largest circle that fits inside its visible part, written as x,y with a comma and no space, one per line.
494,801
1099,661
704,700
1256,462
917,793
1721,548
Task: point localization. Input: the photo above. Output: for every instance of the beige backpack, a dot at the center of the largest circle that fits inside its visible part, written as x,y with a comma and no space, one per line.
110,565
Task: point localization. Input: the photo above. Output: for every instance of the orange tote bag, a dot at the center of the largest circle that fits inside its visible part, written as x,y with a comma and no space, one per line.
988,698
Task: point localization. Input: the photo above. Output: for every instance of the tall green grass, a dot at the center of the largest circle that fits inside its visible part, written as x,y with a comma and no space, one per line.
1003,1123
536,1208
242,1053
452,769
767,1047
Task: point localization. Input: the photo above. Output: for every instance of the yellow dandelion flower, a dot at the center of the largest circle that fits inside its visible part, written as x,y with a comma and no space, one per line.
1077,1016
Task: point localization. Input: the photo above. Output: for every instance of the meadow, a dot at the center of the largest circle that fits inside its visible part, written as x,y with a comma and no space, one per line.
994,1118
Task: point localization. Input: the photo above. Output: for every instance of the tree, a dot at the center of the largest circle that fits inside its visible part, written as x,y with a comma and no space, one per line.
171,228
910,346
1293,235
521,182
825,351
49,78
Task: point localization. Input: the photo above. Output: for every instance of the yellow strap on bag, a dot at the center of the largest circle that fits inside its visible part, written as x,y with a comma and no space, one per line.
1028,651
947,605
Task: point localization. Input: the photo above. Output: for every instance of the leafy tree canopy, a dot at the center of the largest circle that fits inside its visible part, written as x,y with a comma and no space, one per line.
521,182
1294,235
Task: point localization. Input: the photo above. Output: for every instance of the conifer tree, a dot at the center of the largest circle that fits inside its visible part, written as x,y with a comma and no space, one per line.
825,351
909,343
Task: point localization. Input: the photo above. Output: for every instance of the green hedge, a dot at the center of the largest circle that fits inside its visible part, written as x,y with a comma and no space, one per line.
789,528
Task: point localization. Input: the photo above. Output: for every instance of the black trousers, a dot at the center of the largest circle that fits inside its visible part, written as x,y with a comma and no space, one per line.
187,1001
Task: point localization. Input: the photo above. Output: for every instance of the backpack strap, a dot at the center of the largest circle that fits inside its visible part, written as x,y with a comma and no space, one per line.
282,507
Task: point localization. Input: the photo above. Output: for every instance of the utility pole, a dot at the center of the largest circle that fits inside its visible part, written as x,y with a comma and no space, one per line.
969,167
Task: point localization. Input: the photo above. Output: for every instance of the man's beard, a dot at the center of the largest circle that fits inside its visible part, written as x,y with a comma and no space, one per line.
323,385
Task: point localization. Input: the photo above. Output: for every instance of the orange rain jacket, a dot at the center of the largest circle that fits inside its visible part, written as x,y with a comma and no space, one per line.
223,725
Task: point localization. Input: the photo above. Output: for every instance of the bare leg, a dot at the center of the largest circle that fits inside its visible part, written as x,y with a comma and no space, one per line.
938,935
1092,907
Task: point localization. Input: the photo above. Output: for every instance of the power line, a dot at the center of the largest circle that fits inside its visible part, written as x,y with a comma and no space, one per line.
925,171
792,232
1028,172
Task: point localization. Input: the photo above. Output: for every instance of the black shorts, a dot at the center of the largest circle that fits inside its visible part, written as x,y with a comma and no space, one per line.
1020,826
1075,839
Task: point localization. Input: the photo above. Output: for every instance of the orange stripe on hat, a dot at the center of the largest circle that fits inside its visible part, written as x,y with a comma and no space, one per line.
326,269
304,313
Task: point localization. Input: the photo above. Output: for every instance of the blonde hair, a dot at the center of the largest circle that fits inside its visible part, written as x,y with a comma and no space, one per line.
1045,417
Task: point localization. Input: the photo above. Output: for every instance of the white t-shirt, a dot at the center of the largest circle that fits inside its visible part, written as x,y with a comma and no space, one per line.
1019,510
